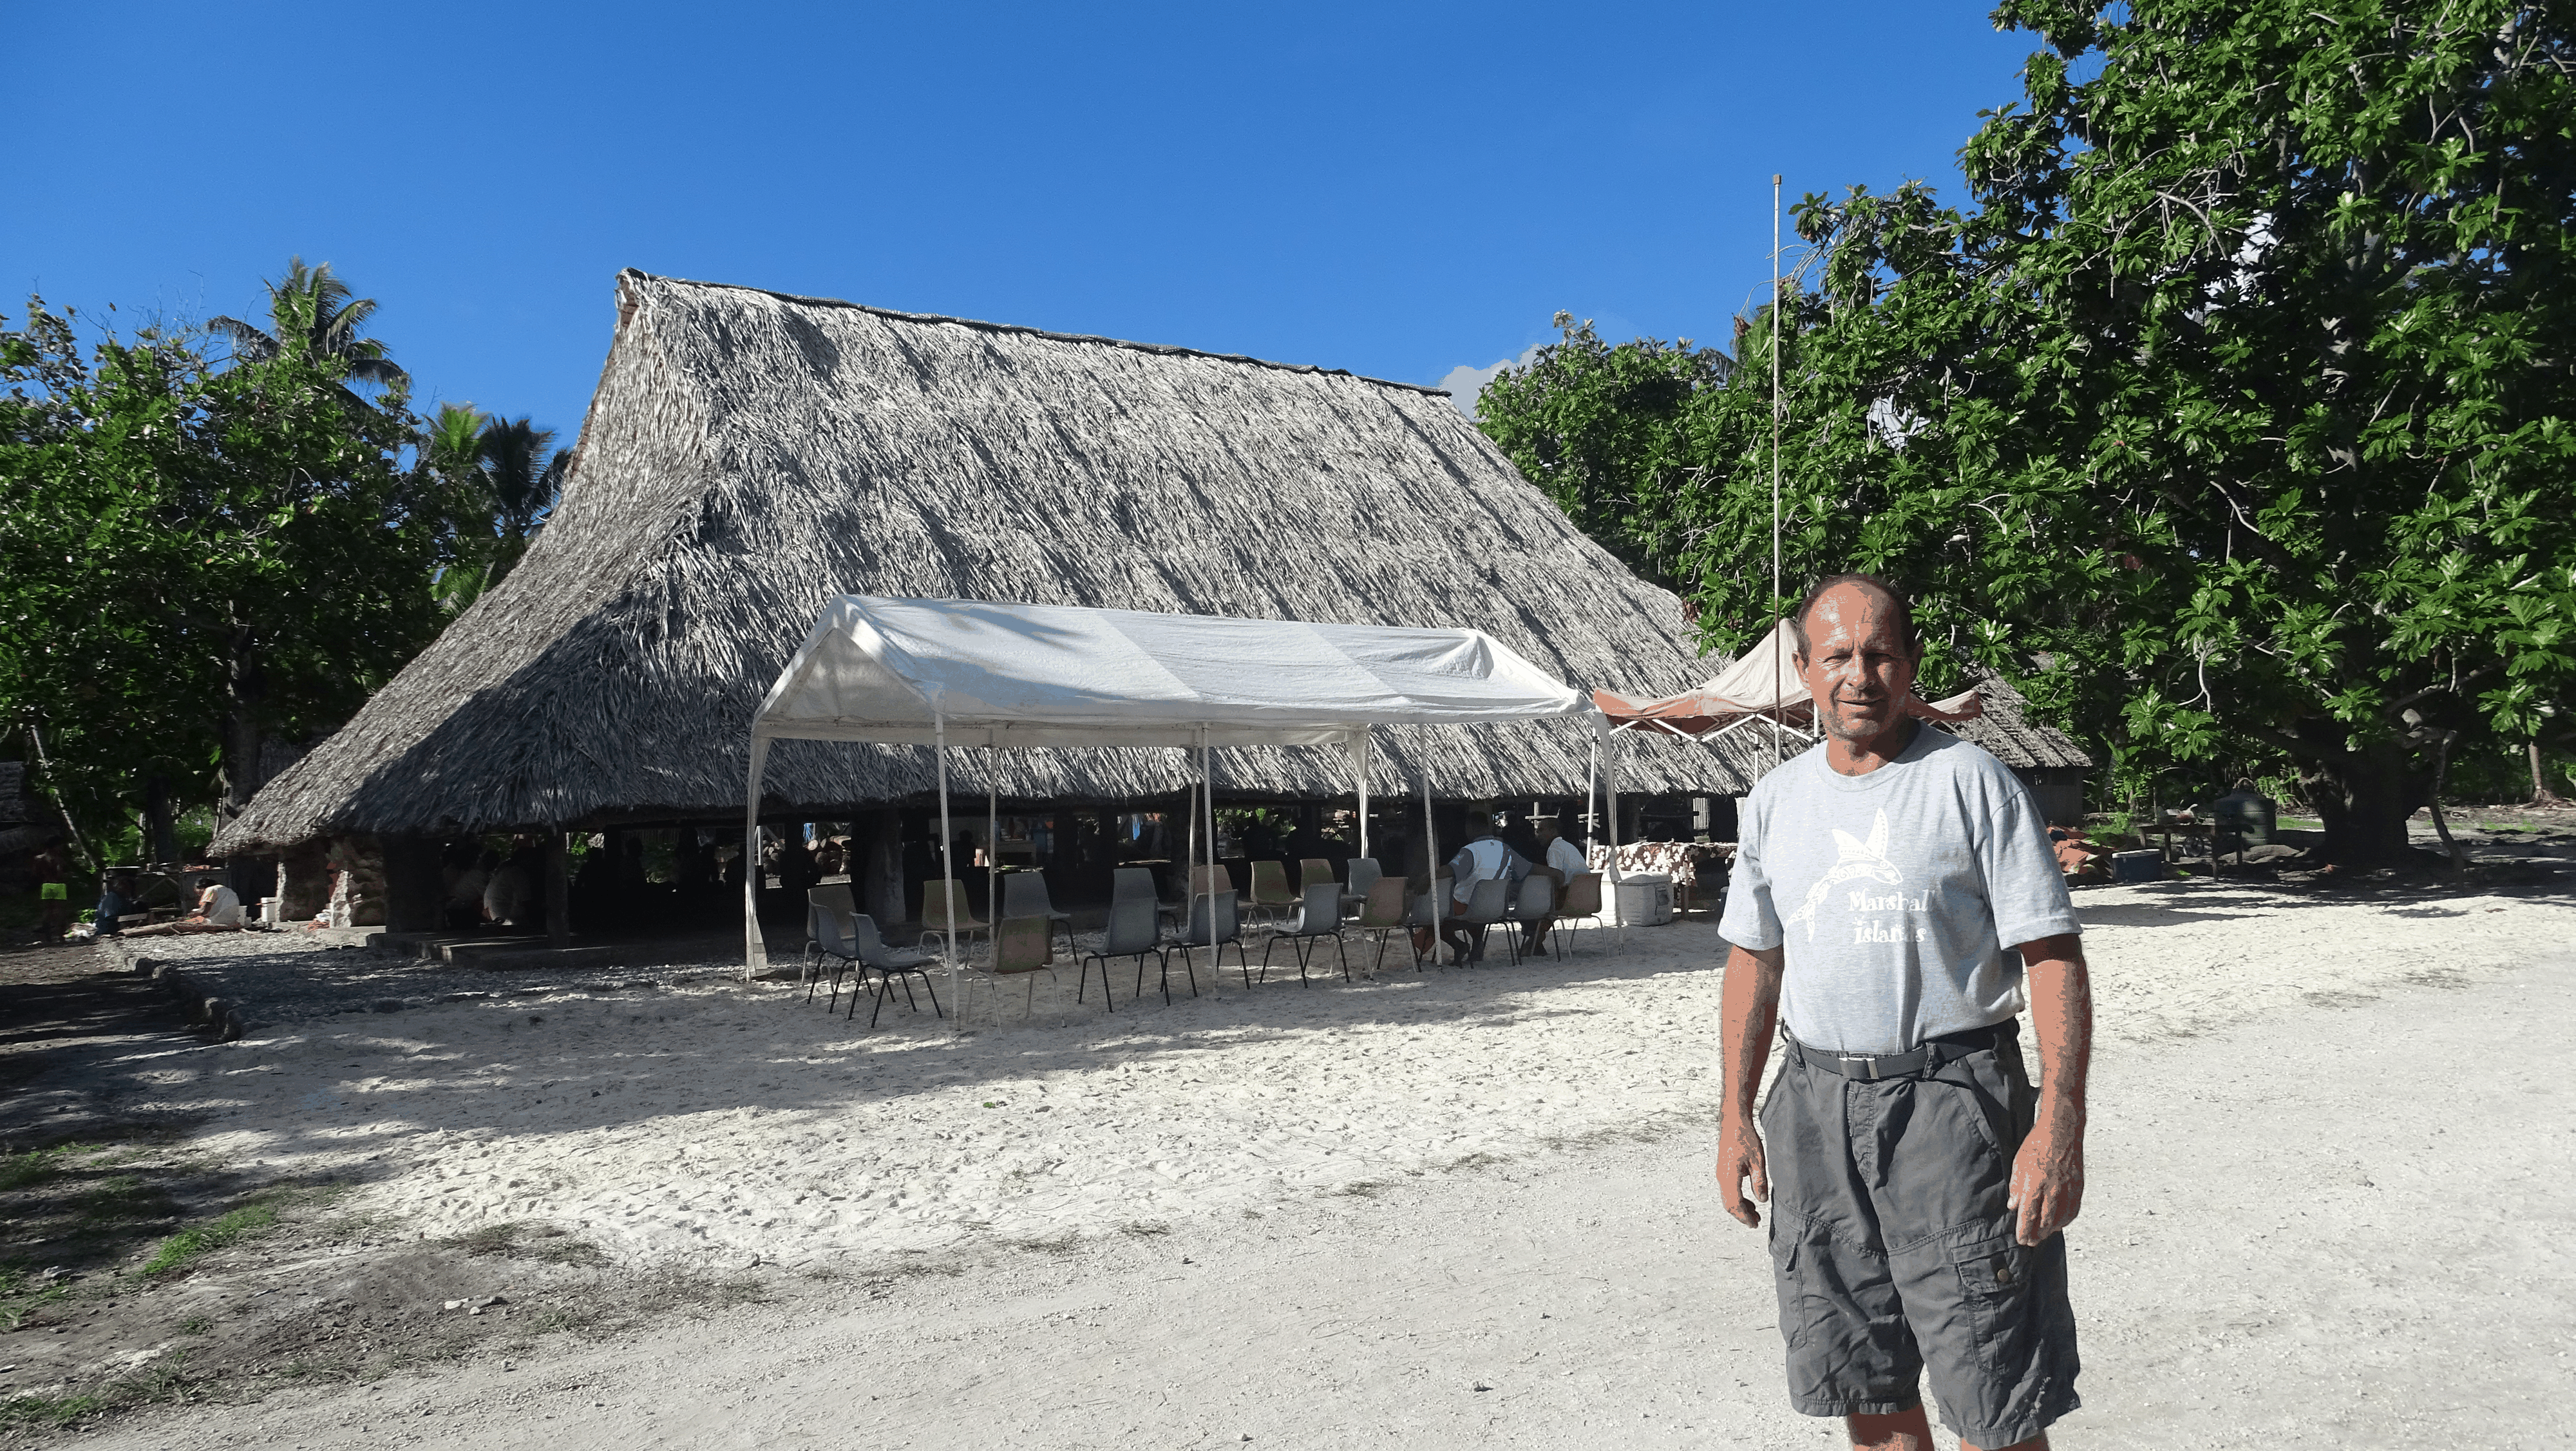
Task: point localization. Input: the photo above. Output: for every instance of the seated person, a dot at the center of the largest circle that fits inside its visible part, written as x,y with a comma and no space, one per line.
509,896
1561,862
219,909
115,900
1480,860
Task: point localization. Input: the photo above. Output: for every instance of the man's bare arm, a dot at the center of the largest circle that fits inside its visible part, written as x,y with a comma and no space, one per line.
1748,1014
2048,1173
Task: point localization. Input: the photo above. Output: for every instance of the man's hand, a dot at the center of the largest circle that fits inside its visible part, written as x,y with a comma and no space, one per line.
2048,1174
1748,1009
1739,1158
2048,1178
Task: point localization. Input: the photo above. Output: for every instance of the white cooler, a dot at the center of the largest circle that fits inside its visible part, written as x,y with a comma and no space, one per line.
1642,900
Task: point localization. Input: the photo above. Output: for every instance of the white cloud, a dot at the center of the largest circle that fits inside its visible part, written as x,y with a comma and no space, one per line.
1464,382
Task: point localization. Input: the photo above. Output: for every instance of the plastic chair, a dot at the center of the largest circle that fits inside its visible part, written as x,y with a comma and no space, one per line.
824,938
1228,916
1022,947
1270,887
835,895
1486,902
1313,869
1384,913
889,963
1024,894
1364,877
1318,916
935,897
1132,933
1530,910
1127,884
1582,904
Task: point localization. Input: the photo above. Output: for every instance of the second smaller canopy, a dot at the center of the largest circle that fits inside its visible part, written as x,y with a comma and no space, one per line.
1763,682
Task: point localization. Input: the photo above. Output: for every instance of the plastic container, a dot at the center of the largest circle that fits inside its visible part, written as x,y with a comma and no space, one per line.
2138,866
1642,900
268,911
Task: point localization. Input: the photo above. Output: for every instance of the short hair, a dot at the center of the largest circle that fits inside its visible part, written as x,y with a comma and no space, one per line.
1889,592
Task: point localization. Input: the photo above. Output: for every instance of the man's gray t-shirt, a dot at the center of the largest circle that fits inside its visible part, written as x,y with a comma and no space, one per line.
1897,895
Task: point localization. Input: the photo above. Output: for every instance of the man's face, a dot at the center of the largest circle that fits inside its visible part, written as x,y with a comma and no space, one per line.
1856,664
1546,832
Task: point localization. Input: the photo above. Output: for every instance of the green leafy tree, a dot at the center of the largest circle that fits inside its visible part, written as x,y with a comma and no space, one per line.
198,557
2236,421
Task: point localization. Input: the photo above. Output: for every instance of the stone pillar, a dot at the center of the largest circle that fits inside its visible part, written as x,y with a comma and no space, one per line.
303,881
362,862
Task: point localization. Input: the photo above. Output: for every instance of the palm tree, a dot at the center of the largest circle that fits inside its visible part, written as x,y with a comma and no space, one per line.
315,310
503,484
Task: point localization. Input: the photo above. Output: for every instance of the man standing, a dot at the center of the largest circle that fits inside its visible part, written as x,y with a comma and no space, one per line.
1895,900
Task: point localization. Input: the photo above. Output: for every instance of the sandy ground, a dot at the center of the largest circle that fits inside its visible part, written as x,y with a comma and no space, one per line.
2326,1226
2326,1134
730,1125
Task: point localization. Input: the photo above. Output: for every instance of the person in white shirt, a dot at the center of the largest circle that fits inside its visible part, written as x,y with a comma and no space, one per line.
1560,861
1480,860
219,909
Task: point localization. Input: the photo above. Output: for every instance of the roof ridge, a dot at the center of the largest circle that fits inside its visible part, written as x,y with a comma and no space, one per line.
1164,349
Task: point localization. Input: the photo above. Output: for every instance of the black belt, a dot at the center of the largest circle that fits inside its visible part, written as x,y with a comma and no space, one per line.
1915,1062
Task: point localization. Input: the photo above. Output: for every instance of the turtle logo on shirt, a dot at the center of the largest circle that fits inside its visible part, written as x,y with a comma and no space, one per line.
1859,859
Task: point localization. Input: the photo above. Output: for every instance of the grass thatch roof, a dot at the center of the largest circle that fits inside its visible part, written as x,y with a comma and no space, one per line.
749,453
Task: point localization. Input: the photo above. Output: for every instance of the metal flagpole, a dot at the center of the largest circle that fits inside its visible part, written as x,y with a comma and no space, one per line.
1776,681
992,841
948,862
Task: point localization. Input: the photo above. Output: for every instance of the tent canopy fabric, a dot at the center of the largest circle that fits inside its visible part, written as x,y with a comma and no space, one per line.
1764,681
898,671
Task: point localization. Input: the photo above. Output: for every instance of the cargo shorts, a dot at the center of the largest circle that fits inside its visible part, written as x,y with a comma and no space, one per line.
1894,1253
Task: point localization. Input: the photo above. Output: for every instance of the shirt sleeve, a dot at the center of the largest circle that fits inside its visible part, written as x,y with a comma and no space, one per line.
2024,885
1749,921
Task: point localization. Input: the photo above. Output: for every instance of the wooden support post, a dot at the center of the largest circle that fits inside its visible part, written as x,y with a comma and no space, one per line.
558,891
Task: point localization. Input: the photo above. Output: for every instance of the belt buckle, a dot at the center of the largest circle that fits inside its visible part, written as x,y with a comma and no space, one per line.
1868,1059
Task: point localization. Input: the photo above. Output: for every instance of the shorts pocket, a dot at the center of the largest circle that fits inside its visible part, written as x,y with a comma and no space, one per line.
1995,1285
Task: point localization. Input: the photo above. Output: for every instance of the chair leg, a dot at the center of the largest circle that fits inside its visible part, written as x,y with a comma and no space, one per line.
1345,955
931,988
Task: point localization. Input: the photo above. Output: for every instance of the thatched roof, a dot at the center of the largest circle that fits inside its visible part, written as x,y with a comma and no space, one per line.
749,453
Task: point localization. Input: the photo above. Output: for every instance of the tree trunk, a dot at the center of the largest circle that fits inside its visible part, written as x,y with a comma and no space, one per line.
160,827
2365,798
2541,795
880,881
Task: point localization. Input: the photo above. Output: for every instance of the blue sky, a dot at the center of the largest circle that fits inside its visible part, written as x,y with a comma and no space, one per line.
1400,190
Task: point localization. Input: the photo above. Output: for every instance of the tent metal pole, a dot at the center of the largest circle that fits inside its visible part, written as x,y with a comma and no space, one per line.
755,953
1190,866
1431,862
948,867
1207,794
1360,767
1610,802
1592,791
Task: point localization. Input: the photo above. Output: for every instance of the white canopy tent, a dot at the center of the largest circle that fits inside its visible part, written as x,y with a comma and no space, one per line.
946,673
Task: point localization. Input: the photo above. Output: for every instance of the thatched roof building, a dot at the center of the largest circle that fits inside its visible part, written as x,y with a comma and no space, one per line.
749,453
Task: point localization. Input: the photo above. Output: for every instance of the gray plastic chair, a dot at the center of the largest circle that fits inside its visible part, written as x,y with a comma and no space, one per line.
889,963
1530,910
1487,901
1228,910
1024,894
1582,904
835,895
1384,914
825,939
1129,883
1364,877
1023,947
1133,932
1319,915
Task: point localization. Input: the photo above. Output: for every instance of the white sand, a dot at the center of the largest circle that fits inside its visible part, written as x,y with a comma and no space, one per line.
729,1124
